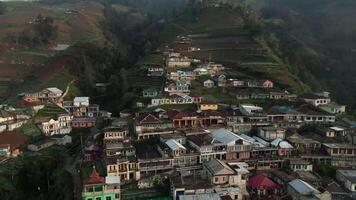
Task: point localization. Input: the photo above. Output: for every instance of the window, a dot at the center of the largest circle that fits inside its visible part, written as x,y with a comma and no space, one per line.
108,198
216,179
98,198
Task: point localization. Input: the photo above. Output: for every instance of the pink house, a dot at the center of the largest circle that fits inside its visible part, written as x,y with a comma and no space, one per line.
266,84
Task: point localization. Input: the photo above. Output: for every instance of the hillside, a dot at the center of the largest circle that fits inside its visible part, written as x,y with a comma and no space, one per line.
317,38
28,64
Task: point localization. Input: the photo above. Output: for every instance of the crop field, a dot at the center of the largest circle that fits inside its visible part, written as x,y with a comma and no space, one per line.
229,55
212,18
74,21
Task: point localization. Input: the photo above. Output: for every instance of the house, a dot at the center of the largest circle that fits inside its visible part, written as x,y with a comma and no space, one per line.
189,185
81,101
181,47
270,133
48,142
5,116
284,148
301,190
304,145
221,175
300,165
333,108
126,167
261,186
342,154
221,80
208,83
284,115
11,144
154,70
114,134
279,95
235,83
208,106
81,107
181,75
97,187
173,99
207,147
178,87
46,95
149,93
61,125
177,61
348,179
248,109
240,94
211,196
266,84
237,147
185,119
200,71
233,193
316,99
92,153
83,122
330,132
148,125
312,115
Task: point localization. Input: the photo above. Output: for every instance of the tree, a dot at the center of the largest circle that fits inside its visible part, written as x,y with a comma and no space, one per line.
2,8
44,29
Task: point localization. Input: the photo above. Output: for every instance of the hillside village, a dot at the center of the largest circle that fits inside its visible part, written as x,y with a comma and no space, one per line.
208,131
270,150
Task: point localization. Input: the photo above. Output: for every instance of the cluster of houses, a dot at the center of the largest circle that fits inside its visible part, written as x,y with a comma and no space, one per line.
211,151
56,127
219,151
235,152
180,71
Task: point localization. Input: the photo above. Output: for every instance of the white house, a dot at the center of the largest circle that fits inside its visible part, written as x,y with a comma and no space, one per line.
316,99
348,178
62,125
301,190
200,71
300,165
81,101
208,83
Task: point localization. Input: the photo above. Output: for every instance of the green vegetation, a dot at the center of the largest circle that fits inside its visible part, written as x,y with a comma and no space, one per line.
316,38
36,176
50,110
325,170
41,31
2,8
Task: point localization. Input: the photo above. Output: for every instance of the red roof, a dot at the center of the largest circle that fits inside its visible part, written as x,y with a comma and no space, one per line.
179,47
261,181
95,178
150,119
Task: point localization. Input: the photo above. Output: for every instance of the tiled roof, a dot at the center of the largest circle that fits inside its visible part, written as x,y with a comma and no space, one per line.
261,181
150,118
95,178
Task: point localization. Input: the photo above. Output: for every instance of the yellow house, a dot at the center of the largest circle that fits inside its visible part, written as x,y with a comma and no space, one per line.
208,106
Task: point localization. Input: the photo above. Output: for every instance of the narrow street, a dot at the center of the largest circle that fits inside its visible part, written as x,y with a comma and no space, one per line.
73,161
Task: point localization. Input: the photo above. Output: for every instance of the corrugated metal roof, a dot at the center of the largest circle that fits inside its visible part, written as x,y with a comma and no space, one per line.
303,187
174,145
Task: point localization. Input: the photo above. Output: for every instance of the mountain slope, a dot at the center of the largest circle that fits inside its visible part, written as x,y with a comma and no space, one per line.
318,38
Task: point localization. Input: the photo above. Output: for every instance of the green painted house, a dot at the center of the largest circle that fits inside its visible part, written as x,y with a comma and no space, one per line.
149,93
97,187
